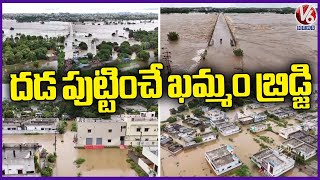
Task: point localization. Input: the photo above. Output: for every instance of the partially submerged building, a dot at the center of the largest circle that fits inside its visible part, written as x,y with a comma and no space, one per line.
142,129
299,148
134,130
255,128
215,115
24,125
222,159
272,162
99,133
285,132
18,159
227,129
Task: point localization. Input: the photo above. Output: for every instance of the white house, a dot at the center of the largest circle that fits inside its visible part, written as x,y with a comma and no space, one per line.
227,129
222,159
142,129
35,125
99,133
285,132
258,127
18,159
215,114
272,162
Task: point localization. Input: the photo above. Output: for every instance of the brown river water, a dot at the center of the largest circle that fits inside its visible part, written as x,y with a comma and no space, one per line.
101,162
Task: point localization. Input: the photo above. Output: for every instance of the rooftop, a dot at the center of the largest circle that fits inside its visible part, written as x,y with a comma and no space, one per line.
293,142
273,160
305,148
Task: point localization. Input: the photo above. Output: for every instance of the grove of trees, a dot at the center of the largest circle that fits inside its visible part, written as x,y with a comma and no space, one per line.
22,49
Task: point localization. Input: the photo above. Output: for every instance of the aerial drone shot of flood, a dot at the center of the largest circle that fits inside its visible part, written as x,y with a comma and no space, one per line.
251,138
55,138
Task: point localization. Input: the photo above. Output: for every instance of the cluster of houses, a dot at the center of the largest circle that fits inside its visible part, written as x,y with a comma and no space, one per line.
249,119
308,121
218,119
301,144
282,113
119,130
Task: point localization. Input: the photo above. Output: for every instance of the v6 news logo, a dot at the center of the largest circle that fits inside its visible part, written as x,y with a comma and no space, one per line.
306,15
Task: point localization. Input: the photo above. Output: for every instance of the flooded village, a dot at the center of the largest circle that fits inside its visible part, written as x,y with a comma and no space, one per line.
197,140
57,138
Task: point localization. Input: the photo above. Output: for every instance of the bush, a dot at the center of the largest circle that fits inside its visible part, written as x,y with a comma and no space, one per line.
137,168
144,55
198,112
79,161
182,108
172,119
90,55
52,158
173,36
173,111
198,139
74,127
243,171
62,127
83,46
36,64
238,52
46,172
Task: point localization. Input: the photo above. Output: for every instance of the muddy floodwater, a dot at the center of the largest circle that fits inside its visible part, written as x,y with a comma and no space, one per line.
194,30
270,43
100,162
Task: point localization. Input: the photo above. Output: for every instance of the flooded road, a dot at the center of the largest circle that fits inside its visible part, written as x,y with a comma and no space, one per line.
102,162
194,31
220,55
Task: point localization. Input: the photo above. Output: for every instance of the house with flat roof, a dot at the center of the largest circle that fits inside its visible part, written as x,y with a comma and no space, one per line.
227,129
18,159
215,114
142,129
99,133
299,148
24,125
272,162
222,159
258,117
285,132
255,128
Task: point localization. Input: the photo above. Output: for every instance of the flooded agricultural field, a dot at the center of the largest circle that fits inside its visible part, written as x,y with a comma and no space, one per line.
99,162
194,31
